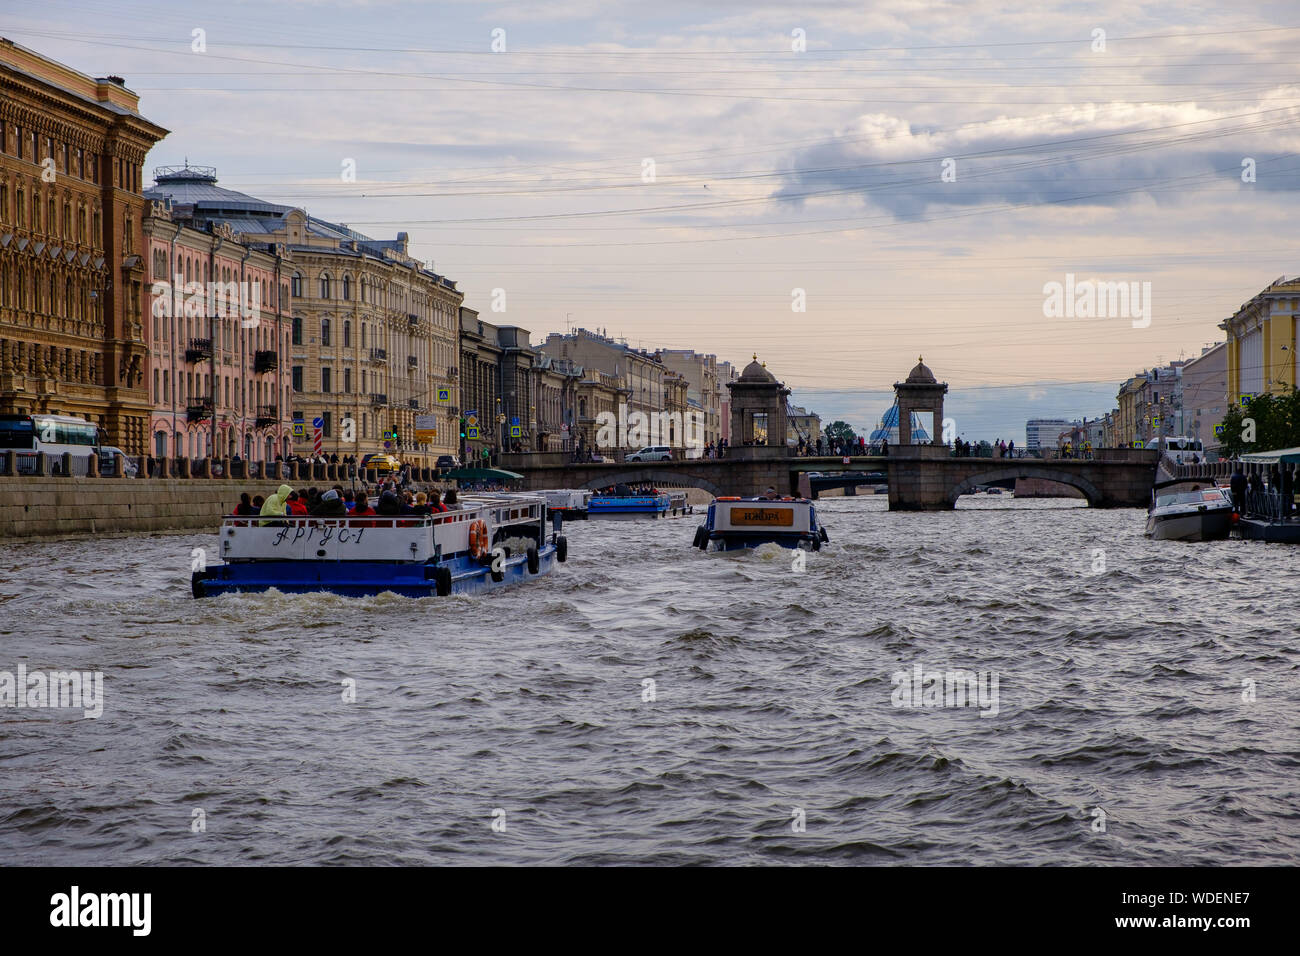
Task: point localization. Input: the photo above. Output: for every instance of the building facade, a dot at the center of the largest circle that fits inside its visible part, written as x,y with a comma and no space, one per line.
1205,393
218,329
373,334
1261,341
640,372
701,374
1041,434
72,253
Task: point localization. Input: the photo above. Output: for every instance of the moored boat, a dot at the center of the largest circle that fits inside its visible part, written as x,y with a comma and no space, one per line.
491,542
733,523
571,503
1196,513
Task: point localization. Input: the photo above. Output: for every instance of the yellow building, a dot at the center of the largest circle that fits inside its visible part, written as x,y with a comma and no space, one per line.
1128,419
1262,341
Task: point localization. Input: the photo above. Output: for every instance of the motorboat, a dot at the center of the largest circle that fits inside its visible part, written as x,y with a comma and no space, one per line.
1184,510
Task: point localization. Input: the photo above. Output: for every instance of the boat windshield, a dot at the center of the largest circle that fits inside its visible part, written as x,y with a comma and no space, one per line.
1190,498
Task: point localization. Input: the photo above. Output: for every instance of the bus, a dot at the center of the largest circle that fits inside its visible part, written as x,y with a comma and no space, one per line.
1176,443
28,435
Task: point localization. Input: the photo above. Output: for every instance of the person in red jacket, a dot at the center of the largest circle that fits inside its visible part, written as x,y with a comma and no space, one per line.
296,505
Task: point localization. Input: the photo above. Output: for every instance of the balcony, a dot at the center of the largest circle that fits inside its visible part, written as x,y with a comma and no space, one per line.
413,402
412,361
266,361
378,400
199,350
199,410
267,415
379,356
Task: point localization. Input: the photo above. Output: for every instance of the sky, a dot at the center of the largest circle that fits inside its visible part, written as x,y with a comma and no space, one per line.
836,187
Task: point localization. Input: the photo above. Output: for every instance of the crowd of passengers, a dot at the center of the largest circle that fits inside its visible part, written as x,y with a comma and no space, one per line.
387,500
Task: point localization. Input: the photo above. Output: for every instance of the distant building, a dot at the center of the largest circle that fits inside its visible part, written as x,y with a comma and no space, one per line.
1205,393
701,375
1261,341
803,424
1042,433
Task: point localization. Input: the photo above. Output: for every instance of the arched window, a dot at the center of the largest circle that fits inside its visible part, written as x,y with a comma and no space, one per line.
324,285
297,330
295,287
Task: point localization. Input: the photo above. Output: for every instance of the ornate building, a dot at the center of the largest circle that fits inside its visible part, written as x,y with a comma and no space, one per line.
218,326
72,253
373,334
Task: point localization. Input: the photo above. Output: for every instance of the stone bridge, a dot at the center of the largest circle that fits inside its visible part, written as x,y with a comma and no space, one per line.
921,477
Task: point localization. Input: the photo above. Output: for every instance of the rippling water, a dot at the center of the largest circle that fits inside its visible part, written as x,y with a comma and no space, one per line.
1119,689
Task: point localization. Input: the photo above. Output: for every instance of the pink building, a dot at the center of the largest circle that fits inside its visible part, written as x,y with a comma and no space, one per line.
218,327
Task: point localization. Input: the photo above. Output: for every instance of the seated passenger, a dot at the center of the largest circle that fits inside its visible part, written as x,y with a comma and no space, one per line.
329,505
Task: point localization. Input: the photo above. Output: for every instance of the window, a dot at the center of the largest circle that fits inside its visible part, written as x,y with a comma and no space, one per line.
347,380
297,330
347,287
325,383
325,424
297,378
325,285
347,334
295,286
324,331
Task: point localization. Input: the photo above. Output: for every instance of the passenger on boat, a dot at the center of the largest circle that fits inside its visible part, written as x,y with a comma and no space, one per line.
330,505
245,506
770,494
275,505
363,510
389,505
296,504
450,501
435,503
421,506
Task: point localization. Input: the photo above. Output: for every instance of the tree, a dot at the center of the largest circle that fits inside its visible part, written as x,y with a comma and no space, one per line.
1264,423
838,432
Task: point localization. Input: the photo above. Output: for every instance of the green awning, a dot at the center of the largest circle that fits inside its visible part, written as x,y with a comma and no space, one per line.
482,474
1287,456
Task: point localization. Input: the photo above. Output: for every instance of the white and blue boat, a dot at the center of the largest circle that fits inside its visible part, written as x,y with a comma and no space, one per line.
734,523
493,541
630,506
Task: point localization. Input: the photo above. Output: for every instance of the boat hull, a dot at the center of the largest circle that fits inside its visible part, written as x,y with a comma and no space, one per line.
1198,526
366,578
740,541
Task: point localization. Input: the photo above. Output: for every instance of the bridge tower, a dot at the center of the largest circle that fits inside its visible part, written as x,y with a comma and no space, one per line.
920,393
758,403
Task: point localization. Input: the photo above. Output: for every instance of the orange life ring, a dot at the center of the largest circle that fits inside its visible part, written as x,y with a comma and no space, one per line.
478,538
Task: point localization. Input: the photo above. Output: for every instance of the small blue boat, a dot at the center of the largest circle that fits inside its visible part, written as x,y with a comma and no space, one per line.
629,506
492,542
734,523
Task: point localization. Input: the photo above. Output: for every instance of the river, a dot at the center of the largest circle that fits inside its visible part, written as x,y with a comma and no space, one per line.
648,703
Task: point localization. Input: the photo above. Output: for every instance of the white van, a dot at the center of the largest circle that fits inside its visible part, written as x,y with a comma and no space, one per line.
652,453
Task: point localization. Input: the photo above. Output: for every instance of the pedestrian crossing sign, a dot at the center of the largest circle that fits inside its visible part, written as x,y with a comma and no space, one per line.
472,432
299,429
444,396
516,431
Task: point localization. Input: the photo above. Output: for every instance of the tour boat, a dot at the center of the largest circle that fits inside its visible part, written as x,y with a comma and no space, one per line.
629,506
749,522
491,542
570,502
1199,514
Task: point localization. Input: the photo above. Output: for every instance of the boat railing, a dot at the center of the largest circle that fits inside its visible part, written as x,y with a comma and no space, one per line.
1265,504
347,521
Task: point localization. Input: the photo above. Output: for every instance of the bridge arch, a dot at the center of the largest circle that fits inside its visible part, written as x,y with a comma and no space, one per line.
652,476
1061,475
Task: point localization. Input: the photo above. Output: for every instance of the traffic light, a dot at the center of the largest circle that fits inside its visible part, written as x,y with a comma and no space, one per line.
462,428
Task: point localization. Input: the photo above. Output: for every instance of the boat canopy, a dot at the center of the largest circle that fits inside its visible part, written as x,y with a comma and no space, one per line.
483,474
1288,456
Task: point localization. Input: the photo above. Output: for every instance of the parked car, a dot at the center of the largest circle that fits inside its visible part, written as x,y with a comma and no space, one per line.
113,461
652,453
447,462
384,464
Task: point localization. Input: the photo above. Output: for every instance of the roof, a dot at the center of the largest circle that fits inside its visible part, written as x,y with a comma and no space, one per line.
1279,456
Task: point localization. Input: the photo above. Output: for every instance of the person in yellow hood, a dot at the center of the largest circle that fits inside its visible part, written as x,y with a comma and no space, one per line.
275,504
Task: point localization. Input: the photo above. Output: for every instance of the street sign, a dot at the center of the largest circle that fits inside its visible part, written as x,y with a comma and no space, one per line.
426,422
471,421
390,435
388,446
516,431
299,429
514,419
472,432
444,396
426,435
